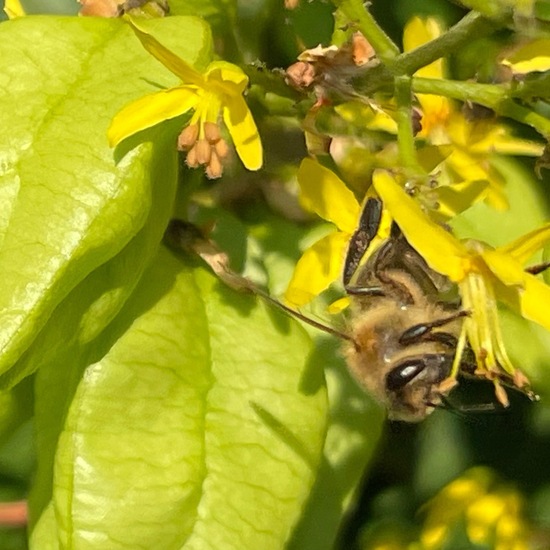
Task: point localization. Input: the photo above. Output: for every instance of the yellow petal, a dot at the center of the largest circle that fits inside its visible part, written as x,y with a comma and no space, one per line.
13,9
530,299
222,71
169,59
369,115
468,166
339,305
474,168
458,197
524,248
533,56
324,193
535,301
149,110
434,535
506,268
241,126
485,136
443,252
418,32
436,111
431,156
509,145
319,266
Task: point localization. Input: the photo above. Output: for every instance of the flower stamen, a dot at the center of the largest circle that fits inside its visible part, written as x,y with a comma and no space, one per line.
204,145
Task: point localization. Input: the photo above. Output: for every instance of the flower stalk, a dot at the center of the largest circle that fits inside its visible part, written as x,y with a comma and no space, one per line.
363,20
405,125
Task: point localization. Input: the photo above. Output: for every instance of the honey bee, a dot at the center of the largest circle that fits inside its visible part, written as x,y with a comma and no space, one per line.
403,336
405,323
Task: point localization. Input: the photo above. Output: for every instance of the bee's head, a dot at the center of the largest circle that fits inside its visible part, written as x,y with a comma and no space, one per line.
412,385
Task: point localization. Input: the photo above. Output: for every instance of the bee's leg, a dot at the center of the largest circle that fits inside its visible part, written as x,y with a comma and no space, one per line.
539,268
369,222
465,410
449,340
422,331
365,291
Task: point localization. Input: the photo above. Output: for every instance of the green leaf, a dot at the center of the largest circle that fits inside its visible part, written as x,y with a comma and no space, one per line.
355,427
220,15
217,12
68,204
199,425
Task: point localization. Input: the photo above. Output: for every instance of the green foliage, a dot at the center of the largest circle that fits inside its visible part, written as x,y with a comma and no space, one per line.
146,404
172,428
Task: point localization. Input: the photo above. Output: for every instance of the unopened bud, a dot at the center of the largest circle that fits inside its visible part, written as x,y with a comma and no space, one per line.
191,159
215,168
188,137
204,151
212,132
300,75
361,50
221,148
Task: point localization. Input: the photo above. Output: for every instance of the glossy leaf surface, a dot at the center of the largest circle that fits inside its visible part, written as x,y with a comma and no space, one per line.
201,427
69,202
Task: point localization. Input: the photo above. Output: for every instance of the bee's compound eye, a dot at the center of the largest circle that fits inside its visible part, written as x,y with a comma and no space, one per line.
400,376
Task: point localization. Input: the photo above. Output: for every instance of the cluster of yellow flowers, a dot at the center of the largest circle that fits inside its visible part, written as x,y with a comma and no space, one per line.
460,172
491,510
484,276
477,507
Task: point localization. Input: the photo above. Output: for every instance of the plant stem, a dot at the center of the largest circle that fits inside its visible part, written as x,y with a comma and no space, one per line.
473,25
511,109
536,86
494,96
489,95
490,8
405,131
358,14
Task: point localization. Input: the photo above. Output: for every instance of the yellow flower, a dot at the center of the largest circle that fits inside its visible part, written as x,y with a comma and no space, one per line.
219,90
492,512
484,277
473,141
324,193
449,505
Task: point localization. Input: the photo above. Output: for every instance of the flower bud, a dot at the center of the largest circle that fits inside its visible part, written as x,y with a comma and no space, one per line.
300,75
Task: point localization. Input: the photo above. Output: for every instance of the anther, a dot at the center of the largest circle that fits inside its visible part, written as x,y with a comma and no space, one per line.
204,151
214,169
221,148
188,137
191,159
212,132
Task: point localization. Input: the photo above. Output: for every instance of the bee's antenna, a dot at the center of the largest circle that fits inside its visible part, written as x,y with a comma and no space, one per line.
189,238
265,296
